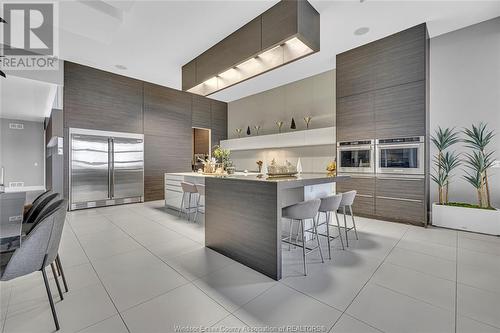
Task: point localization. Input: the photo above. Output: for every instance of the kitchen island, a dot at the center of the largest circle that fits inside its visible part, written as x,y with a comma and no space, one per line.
243,215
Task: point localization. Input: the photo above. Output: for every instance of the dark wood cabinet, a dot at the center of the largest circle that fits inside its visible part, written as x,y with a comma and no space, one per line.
229,51
355,117
219,121
201,112
364,204
95,99
189,75
411,211
387,62
400,111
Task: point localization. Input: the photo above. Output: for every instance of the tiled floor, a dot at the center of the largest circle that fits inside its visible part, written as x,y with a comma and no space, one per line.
139,268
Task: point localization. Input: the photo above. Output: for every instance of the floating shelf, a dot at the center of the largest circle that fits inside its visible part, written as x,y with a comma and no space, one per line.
310,137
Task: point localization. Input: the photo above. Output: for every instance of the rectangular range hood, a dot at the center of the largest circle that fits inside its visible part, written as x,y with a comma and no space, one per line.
286,32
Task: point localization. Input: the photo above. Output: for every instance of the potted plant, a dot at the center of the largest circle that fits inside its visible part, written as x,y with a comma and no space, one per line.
480,217
223,156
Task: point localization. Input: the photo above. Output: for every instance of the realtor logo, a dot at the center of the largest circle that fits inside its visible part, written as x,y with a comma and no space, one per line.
29,37
29,29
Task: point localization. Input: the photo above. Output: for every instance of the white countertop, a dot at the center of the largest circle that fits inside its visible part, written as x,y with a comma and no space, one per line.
196,174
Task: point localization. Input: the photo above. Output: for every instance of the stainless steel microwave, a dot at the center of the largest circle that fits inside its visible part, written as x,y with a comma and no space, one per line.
400,156
356,156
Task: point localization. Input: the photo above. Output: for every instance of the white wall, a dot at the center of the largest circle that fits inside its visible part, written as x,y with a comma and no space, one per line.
22,152
313,96
465,89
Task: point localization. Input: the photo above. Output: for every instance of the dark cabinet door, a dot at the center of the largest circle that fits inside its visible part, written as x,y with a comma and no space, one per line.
400,111
201,112
167,136
94,99
355,117
219,121
354,70
400,58
364,204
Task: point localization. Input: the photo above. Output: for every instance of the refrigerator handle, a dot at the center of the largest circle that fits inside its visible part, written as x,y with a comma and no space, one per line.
109,167
112,168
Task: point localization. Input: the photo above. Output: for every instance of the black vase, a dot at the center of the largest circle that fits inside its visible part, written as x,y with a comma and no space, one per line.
292,126
248,130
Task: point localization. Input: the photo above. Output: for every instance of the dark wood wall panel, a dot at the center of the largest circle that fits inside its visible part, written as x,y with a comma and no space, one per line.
219,121
201,113
400,111
279,21
364,204
94,99
168,136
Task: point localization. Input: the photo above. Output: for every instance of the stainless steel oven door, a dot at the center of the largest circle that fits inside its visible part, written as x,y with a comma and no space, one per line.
355,159
405,159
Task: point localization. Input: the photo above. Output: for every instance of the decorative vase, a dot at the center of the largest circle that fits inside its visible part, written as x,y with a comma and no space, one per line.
248,130
292,125
299,166
279,124
257,128
307,120
238,131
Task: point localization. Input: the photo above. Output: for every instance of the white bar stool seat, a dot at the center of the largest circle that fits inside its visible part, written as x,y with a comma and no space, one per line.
347,201
329,205
188,189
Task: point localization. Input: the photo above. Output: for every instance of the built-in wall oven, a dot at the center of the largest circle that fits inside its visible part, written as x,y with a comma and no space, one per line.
404,156
356,156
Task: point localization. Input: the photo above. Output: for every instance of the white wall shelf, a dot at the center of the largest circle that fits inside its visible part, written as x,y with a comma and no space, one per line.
310,137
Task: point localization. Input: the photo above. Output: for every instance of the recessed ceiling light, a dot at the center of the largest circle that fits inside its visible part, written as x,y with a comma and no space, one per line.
121,67
361,31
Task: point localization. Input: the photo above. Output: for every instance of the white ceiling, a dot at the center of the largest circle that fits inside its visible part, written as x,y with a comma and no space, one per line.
26,99
153,39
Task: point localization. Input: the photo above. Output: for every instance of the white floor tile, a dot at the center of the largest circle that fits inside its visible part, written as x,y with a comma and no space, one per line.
110,325
477,269
391,312
184,306
369,244
479,304
467,325
282,306
174,247
234,285
162,235
425,287
199,263
424,263
348,324
335,282
79,309
98,249
479,245
432,235
432,249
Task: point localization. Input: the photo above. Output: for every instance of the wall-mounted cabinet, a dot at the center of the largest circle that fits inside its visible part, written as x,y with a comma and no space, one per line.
355,117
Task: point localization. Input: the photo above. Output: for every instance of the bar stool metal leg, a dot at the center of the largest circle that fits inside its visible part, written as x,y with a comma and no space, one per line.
197,208
54,273
61,270
290,224
327,216
353,223
345,227
340,231
302,227
182,203
315,224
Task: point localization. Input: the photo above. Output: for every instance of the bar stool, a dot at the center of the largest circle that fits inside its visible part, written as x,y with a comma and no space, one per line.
347,201
201,193
329,205
188,189
301,211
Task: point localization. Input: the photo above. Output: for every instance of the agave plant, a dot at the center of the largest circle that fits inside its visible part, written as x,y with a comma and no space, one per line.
478,138
444,162
478,164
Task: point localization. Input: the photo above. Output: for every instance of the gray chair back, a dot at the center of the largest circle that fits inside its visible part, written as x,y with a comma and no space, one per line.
330,203
35,203
348,198
188,187
200,188
58,213
302,210
30,257
37,207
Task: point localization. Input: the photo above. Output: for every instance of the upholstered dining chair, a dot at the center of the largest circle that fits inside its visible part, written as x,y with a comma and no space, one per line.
38,250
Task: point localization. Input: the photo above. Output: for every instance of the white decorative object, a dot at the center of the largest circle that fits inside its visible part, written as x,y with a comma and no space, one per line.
470,219
264,168
299,166
312,137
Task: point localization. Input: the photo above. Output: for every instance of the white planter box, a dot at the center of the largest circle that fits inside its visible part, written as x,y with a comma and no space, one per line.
470,219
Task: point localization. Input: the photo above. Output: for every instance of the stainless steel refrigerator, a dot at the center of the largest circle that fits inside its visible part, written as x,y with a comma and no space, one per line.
106,168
